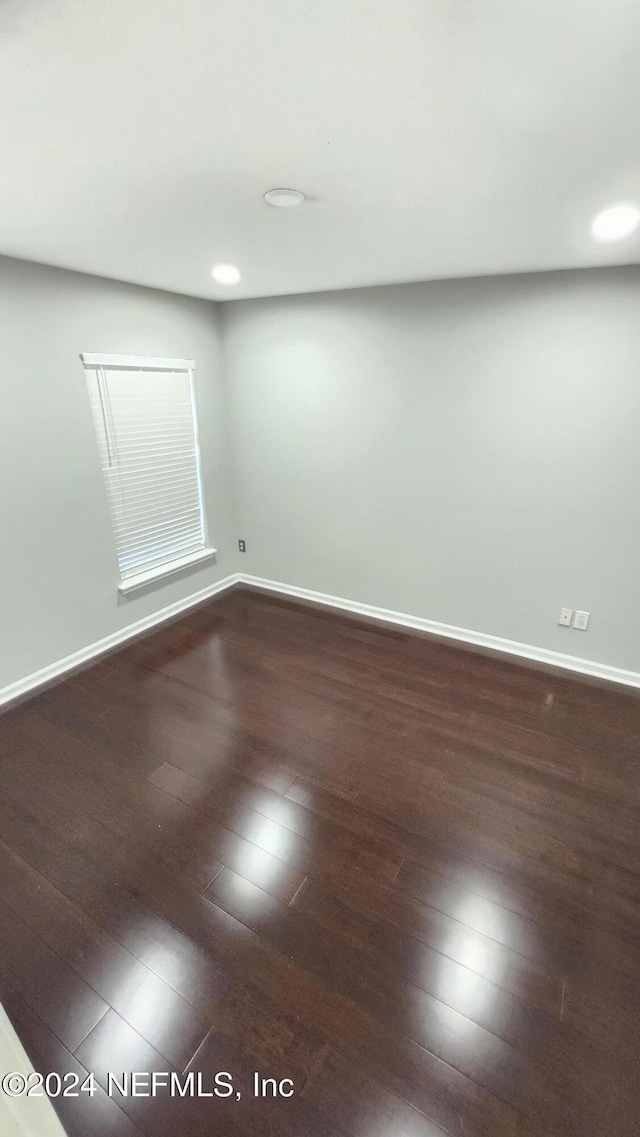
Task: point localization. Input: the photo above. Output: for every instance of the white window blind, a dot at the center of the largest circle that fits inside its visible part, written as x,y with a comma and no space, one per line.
145,420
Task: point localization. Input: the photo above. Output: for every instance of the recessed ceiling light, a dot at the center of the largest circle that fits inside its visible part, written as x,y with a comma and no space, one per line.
284,198
225,274
616,223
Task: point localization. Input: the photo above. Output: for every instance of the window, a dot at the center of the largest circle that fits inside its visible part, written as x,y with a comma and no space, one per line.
144,415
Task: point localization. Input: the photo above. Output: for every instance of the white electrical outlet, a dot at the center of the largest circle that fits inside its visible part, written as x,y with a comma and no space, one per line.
566,616
581,621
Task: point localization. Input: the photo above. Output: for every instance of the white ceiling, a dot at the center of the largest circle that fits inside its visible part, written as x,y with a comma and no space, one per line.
433,138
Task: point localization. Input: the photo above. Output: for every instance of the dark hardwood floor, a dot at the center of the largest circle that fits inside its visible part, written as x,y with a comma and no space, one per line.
270,838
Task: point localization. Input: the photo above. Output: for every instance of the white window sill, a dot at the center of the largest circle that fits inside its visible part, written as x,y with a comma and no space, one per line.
139,579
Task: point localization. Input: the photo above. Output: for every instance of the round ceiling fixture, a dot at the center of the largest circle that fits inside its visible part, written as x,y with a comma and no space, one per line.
225,274
284,198
616,223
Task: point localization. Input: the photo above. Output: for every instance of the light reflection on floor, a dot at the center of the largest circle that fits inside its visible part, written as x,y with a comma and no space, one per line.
464,986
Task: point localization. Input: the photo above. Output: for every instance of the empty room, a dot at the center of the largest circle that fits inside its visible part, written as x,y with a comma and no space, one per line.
319,621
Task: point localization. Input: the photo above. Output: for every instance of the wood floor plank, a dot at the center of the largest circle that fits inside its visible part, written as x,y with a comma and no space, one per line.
94,1112
453,1037
422,877
272,1115
422,1079
195,841
567,907
359,905
91,906
359,1106
65,1002
140,996
485,916
483,1001
115,1047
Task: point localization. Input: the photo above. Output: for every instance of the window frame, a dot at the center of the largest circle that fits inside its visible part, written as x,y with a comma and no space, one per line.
96,361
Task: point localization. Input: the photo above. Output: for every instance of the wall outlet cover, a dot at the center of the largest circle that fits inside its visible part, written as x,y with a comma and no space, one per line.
566,616
581,621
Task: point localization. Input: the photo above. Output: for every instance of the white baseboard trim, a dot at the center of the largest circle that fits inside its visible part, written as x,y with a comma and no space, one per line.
85,655
449,631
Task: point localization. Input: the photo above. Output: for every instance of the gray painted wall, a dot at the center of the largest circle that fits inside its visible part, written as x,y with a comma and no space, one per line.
58,573
465,451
